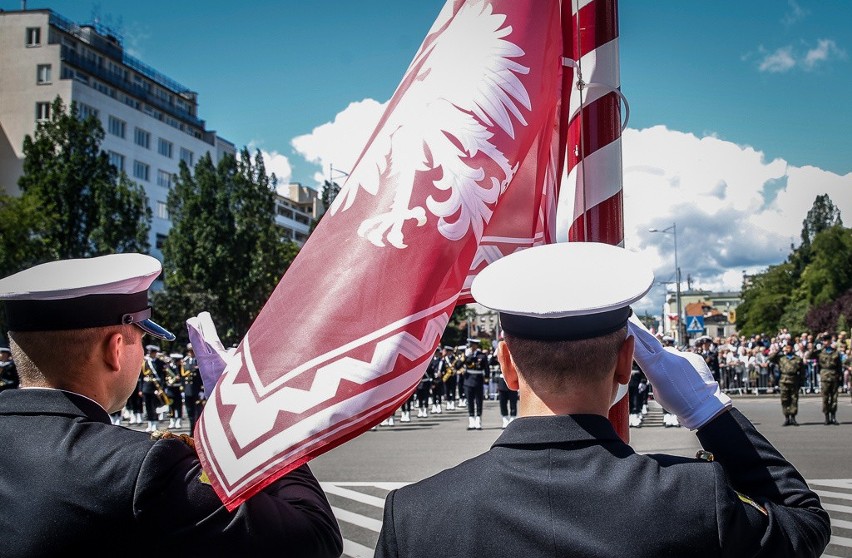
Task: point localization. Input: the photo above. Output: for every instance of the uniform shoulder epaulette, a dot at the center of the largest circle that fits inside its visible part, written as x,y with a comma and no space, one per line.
169,435
704,455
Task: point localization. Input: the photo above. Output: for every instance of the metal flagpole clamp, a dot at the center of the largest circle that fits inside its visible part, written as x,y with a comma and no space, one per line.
570,63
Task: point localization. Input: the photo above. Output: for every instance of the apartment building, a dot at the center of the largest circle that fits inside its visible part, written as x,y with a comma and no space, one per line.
295,211
150,121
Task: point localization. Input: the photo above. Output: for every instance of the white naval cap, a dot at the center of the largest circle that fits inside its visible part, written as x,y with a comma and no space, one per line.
563,291
83,293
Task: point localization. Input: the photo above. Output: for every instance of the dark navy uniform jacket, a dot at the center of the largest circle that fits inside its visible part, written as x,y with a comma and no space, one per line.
72,484
569,486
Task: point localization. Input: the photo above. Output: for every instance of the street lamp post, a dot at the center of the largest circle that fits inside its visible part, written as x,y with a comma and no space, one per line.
673,231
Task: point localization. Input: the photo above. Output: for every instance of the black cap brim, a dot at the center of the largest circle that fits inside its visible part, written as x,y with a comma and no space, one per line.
153,328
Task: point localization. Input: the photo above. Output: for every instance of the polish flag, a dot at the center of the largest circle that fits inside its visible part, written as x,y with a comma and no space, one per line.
462,169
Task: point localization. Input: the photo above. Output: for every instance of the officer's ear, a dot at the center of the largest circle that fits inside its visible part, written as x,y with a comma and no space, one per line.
624,364
507,366
112,348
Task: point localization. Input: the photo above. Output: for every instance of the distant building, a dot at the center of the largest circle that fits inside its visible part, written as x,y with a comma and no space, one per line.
296,211
150,121
718,308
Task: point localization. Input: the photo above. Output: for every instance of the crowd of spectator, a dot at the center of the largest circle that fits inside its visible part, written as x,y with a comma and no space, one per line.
741,363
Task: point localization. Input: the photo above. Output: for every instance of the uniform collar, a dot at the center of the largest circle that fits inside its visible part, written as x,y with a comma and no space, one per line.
43,401
557,429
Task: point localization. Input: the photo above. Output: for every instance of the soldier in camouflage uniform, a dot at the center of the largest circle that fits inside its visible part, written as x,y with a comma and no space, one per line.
828,358
792,373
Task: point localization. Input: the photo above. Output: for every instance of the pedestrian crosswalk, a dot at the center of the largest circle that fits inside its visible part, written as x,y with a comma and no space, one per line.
359,505
836,496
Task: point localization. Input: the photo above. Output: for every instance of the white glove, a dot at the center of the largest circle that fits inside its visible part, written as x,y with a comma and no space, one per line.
211,354
683,383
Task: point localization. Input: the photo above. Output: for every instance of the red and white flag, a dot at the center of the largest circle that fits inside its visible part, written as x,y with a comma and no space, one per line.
461,170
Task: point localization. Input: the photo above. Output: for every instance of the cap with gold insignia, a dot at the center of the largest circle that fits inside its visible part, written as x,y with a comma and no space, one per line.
82,293
563,291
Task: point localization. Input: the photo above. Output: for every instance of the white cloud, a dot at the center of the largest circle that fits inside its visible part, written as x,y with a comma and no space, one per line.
338,144
788,57
735,211
794,14
279,164
275,163
779,61
825,50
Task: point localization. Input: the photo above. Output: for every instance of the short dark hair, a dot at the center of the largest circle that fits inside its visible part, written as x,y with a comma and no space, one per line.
557,364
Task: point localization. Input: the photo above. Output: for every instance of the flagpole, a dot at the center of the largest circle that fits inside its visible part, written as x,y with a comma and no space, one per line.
591,88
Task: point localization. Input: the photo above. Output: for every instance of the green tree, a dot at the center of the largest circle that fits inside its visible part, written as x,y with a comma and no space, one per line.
329,192
822,215
21,245
224,253
86,207
805,289
455,333
765,300
829,272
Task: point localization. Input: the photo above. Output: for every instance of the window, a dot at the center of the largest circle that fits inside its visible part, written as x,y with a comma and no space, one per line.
143,138
43,73
164,179
117,127
164,148
160,242
33,36
42,111
131,102
103,88
84,111
116,160
162,210
141,170
186,156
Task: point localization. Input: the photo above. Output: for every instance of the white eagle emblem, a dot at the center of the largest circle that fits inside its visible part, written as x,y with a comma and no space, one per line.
458,84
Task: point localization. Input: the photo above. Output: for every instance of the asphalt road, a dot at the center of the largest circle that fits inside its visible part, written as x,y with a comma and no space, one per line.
358,475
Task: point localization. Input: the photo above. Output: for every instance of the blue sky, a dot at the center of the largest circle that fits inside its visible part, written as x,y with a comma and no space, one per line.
739,111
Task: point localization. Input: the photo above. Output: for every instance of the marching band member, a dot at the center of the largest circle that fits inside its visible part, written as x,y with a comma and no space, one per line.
153,394
193,387
174,389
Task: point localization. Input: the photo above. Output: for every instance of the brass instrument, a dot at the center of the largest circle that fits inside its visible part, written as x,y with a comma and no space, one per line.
151,376
450,370
185,372
174,378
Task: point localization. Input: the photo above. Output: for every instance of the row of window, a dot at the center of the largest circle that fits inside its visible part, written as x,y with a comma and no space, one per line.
142,138
32,38
141,170
118,127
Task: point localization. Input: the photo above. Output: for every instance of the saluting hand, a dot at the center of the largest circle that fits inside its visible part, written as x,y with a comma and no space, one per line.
682,382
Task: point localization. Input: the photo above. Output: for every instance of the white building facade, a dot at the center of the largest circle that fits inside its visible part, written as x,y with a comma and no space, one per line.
150,121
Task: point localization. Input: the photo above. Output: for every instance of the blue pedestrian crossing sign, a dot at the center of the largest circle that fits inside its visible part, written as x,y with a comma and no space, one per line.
695,324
